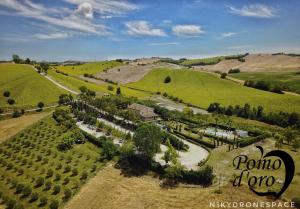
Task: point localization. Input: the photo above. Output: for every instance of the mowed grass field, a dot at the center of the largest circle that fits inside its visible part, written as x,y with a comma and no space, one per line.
111,189
202,89
90,68
74,84
26,86
290,80
32,156
209,60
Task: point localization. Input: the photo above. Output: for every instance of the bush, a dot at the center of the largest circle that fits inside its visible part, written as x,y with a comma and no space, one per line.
56,189
223,75
49,173
34,196
10,204
110,88
236,70
48,185
11,101
6,93
43,201
167,79
54,204
26,191
74,172
67,169
39,182
67,194
84,175
19,188
40,105
57,177
66,181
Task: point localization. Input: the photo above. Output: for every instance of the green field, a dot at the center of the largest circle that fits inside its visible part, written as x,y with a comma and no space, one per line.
201,89
26,86
289,80
75,83
90,68
33,154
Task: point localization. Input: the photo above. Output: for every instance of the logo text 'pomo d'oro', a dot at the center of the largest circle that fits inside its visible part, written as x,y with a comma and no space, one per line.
270,162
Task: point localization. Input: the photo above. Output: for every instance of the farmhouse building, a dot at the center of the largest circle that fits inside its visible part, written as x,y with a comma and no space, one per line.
144,112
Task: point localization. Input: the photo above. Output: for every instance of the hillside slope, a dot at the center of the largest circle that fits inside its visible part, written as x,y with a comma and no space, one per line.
257,62
26,86
201,89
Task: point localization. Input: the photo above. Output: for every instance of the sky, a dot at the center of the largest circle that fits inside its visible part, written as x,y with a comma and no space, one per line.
87,30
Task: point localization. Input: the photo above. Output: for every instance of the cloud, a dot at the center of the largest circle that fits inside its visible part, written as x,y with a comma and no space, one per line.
86,10
60,17
163,44
228,34
108,7
142,28
187,30
254,10
52,36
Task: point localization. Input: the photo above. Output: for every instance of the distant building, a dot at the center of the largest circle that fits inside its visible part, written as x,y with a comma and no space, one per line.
144,112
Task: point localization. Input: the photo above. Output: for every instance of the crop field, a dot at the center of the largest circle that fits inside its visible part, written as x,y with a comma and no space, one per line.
202,89
74,83
289,80
35,174
90,68
26,86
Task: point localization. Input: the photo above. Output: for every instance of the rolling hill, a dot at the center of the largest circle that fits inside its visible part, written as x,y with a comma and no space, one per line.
201,89
26,86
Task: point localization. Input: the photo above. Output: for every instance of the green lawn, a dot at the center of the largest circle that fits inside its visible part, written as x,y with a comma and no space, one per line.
90,68
75,83
201,89
289,80
33,154
26,86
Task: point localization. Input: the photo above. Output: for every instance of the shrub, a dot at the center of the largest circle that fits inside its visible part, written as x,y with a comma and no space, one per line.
67,169
49,173
84,175
10,204
39,182
74,172
11,101
67,194
110,88
167,79
57,177
56,189
34,196
40,105
43,201
48,185
6,93
26,191
19,188
66,181
223,75
54,204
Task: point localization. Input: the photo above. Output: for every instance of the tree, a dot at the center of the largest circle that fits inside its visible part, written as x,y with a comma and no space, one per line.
67,194
173,172
11,101
16,59
45,67
118,91
40,105
43,201
290,135
56,189
27,61
171,154
147,139
34,196
167,79
223,75
109,149
6,93
26,191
